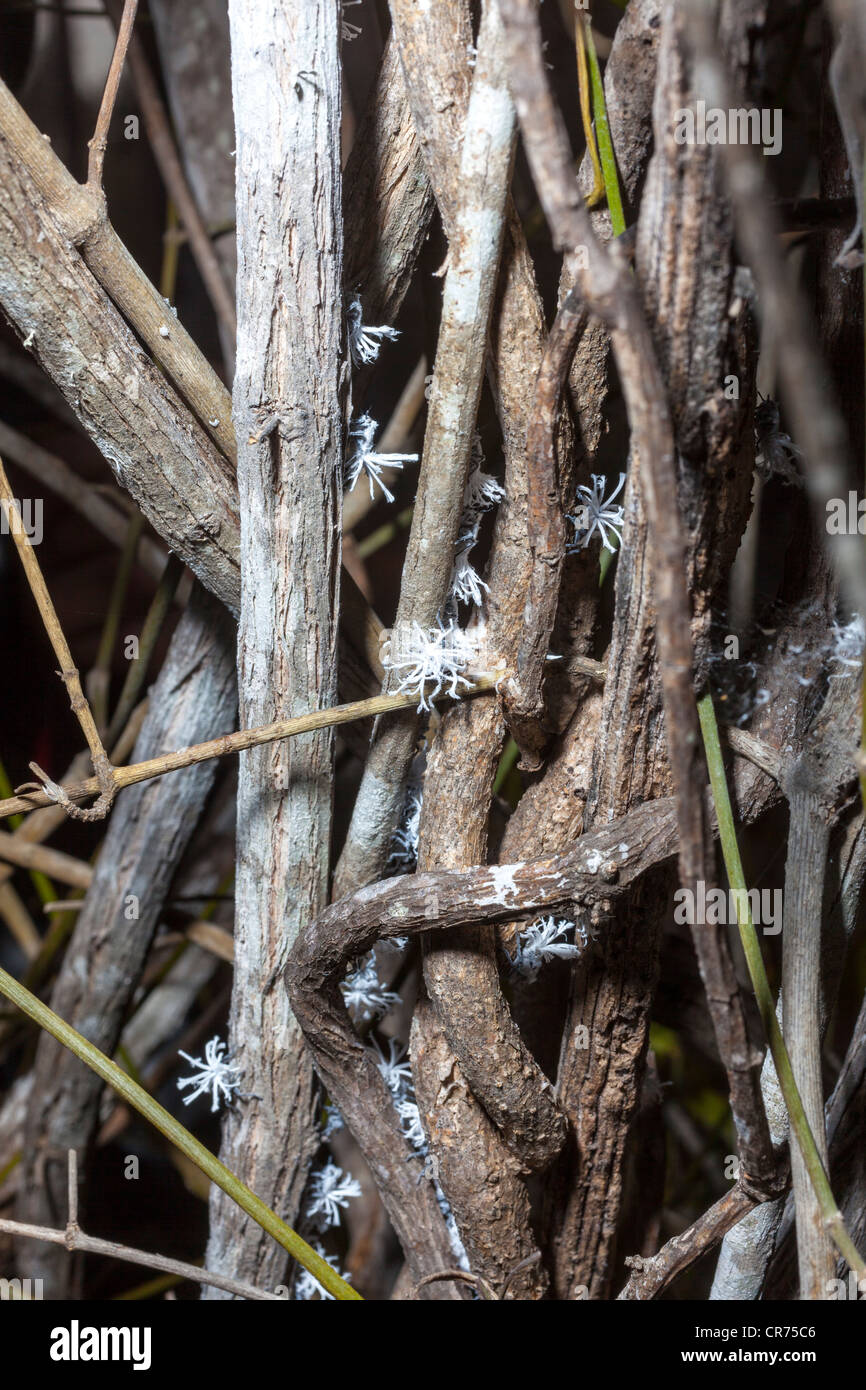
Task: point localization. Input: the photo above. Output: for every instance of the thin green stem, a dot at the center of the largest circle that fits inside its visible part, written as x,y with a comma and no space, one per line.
612,189
174,1131
603,137
761,986
510,754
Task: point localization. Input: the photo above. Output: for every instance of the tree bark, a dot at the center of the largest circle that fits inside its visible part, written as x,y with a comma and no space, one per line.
288,415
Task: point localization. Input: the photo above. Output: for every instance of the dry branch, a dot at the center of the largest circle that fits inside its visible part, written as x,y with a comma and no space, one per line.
290,265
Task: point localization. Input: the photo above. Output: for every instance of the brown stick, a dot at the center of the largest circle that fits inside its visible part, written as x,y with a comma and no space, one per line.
96,147
68,671
475,224
593,871
524,702
608,290
650,1277
221,747
73,1238
53,862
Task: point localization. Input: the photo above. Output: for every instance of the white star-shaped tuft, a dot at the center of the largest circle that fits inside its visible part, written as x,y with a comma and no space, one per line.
595,512
215,1074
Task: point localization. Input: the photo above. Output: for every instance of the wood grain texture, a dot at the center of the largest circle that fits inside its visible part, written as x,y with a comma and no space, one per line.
290,371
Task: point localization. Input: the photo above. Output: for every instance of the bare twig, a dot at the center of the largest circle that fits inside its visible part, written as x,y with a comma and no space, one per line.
227,744
290,252
68,671
650,1277
147,835
816,784
96,148
73,1238
808,844
53,862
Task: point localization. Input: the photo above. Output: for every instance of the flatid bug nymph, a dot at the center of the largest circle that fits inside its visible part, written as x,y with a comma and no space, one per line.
776,451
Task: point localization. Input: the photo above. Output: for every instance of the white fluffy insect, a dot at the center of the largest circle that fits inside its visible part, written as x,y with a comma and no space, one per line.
394,1068
330,1192
365,995
596,513
846,644
467,586
216,1073
410,1123
545,940
481,493
404,843
364,459
332,1121
435,656
365,341
307,1285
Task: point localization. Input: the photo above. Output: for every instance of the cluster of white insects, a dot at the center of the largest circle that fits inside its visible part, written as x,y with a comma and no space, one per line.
404,843
365,342
425,662
439,655
331,1189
